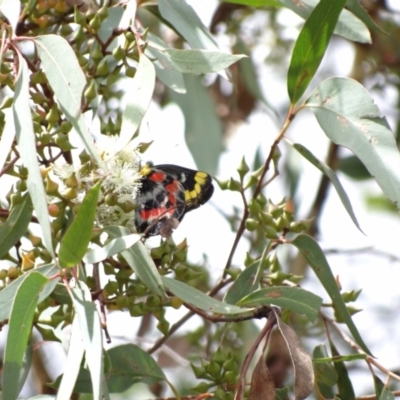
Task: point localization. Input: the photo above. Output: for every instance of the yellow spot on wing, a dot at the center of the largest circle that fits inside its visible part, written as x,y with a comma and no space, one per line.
193,194
197,188
200,178
187,195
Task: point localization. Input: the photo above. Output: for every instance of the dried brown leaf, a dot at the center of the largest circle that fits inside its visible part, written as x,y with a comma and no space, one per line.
262,384
302,362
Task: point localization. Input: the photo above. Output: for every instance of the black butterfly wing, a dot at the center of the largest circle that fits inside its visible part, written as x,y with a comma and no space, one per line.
197,184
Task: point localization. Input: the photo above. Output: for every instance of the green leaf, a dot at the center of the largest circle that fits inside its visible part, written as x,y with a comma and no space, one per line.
26,366
16,225
7,136
130,364
357,9
348,26
113,247
73,362
201,61
347,114
26,142
75,242
255,3
138,258
354,168
282,394
7,294
90,331
335,359
11,9
382,393
325,372
311,45
199,299
68,81
60,295
244,284
203,127
184,19
20,326
295,299
344,385
330,173
139,92
316,258
165,69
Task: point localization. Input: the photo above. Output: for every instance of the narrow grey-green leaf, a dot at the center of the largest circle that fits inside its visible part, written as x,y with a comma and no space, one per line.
68,81
26,366
11,9
16,224
348,26
7,137
203,127
330,173
20,326
75,242
311,45
7,294
244,284
302,363
139,91
113,247
201,61
138,258
90,330
26,142
73,363
184,19
316,258
325,372
255,3
348,116
165,70
199,299
130,364
357,9
295,299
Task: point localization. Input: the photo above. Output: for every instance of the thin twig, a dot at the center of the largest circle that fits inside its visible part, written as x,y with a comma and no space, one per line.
369,359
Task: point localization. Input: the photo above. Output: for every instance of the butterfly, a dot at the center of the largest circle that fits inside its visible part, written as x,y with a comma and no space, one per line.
167,193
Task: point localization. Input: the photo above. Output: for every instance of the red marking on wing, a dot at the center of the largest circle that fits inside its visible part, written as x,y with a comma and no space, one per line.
157,176
150,215
172,188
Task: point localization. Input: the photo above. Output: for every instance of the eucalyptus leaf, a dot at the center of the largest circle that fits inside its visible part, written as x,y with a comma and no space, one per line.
91,333
330,173
348,116
316,258
75,242
16,224
199,299
68,81
311,45
26,142
348,25
20,327
138,95
138,258
295,299
201,61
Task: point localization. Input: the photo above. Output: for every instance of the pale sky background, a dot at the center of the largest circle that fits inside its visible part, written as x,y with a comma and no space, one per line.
208,233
